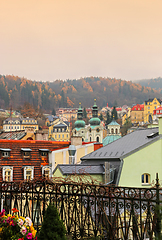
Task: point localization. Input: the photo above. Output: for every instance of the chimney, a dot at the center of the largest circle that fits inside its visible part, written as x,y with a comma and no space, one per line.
160,124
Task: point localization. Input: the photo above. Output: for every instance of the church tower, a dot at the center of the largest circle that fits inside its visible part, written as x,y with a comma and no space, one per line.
79,124
95,130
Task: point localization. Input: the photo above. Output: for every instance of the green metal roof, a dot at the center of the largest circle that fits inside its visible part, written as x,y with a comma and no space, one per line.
110,138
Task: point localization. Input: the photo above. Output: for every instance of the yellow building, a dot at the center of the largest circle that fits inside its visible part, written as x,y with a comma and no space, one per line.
59,131
19,124
149,107
68,113
137,114
61,156
126,115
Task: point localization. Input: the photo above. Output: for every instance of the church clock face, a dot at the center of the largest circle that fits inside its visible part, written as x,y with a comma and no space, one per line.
97,130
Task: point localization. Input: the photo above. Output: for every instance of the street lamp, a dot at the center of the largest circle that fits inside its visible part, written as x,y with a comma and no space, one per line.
72,151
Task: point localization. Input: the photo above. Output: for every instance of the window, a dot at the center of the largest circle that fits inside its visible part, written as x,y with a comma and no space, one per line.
148,107
116,131
145,178
7,173
46,171
5,154
62,135
112,131
59,136
26,152
28,172
44,154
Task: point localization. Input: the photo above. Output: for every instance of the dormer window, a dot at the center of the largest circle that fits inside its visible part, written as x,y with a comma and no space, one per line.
5,152
44,152
26,152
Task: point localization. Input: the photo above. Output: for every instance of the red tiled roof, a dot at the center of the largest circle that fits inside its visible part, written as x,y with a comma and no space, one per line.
138,107
17,161
158,111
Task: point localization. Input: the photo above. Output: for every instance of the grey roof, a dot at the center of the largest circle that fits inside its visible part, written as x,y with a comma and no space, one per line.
125,145
13,135
60,125
80,169
52,118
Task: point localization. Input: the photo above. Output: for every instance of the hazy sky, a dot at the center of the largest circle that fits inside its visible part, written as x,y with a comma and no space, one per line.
60,39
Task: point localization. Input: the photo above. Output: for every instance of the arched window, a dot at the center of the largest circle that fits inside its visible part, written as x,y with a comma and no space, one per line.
145,178
112,131
97,139
116,131
90,139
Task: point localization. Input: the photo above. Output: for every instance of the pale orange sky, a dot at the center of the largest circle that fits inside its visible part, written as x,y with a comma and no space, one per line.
60,39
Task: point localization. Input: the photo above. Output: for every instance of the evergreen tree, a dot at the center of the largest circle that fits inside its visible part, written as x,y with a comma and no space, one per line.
114,114
53,112
101,117
63,99
84,113
108,118
52,227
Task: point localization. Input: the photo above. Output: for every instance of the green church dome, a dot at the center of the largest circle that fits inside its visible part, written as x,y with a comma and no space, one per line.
79,124
94,121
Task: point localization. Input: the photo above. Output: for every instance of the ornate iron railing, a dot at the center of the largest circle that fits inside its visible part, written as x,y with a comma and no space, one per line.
89,210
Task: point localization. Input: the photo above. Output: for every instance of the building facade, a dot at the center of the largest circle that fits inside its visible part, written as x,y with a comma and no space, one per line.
27,159
18,124
91,133
149,107
137,114
59,131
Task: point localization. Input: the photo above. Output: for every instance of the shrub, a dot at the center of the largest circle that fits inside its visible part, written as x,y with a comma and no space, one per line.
52,227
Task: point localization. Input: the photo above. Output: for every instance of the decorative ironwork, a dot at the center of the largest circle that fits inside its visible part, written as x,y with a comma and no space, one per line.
88,210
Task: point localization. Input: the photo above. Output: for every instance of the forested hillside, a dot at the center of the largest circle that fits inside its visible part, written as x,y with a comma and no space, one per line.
16,91
155,83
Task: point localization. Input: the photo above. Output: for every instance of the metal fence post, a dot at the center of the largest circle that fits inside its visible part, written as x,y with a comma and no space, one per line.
158,222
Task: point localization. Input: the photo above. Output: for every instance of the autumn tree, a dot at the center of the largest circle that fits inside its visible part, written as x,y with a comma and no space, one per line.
28,111
126,126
